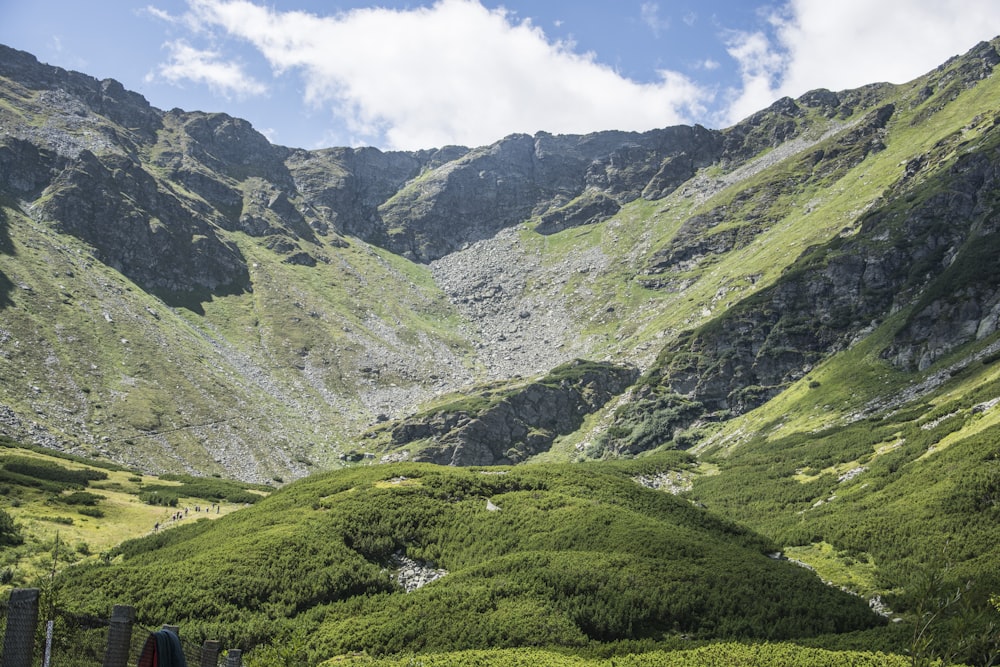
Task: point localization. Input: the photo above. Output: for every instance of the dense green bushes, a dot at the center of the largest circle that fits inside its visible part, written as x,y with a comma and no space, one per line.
18,468
719,655
84,498
906,508
569,556
207,488
10,534
921,501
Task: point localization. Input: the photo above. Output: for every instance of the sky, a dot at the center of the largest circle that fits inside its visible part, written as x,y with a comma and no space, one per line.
409,75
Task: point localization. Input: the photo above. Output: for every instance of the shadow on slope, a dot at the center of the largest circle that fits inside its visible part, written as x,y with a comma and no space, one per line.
6,248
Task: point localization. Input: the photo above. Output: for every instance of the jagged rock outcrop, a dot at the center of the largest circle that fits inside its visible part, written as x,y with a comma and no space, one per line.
956,245
591,208
347,185
511,424
498,186
140,230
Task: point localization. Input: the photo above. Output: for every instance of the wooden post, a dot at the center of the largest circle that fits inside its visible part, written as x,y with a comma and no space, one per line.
176,629
210,653
22,620
116,654
234,658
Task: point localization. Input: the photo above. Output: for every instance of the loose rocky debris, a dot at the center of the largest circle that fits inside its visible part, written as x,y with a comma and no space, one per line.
413,574
986,406
671,481
879,607
851,474
934,423
518,331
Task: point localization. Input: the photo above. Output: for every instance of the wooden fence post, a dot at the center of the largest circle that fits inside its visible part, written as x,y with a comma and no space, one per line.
234,658
116,654
210,653
22,620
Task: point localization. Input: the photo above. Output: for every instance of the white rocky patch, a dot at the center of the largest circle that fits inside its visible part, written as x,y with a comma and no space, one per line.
413,574
670,481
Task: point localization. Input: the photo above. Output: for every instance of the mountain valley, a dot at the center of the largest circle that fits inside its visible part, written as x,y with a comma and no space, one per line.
790,324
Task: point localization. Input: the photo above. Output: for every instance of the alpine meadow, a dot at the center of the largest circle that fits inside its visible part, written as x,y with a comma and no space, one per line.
680,397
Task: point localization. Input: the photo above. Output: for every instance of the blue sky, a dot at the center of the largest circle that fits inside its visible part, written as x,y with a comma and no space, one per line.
414,74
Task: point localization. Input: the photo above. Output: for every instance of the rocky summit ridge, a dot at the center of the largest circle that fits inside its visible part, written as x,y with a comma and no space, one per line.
179,294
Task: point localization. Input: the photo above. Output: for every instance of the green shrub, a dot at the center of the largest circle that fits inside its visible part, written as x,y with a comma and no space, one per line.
52,472
159,496
80,498
10,532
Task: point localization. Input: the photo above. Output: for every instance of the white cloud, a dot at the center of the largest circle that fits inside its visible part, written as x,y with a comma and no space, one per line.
187,63
761,67
650,13
455,72
849,43
852,42
158,13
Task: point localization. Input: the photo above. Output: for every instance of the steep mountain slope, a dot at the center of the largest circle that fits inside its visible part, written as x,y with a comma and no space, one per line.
180,294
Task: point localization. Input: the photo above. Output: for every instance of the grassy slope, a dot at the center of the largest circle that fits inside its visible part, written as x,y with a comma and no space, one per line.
49,526
90,351
109,366
767,655
105,365
917,469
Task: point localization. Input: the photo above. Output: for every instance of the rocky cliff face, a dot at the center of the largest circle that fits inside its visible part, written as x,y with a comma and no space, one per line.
495,187
509,425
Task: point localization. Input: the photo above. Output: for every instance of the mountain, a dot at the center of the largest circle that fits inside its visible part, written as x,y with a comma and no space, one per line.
807,303
180,294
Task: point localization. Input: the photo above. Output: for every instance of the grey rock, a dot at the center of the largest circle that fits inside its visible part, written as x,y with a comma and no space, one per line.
521,422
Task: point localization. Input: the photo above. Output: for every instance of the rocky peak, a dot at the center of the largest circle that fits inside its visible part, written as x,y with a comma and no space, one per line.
179,202
107,98
118,208
231,146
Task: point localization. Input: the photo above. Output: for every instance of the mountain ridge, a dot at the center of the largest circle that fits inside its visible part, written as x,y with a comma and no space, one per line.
335,289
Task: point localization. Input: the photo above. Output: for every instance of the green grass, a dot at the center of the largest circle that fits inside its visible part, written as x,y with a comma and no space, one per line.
855,571
52,520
